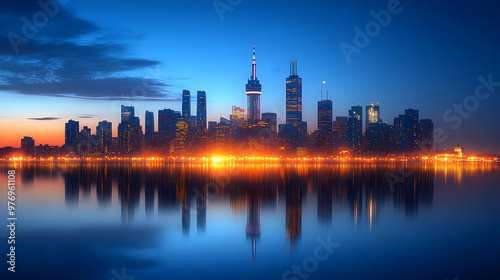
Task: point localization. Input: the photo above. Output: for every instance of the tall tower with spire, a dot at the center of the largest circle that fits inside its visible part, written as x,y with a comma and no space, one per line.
253,91
294,98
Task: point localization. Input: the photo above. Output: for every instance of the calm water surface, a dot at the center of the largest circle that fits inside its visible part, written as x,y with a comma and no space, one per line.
253,221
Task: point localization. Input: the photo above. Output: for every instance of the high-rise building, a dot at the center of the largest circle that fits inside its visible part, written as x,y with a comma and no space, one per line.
72,136
372,114
355,123
325,125
201,109
150,122
211,131
253,91
272,122
104,133
127,112
325,117
149,129
378,138
85,141
28,146
167,119
129,132
406,131
340,133
294,97
85,133
426,134
181,134
186,105
410,124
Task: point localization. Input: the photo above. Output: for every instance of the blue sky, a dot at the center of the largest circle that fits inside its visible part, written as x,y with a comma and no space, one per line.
93,56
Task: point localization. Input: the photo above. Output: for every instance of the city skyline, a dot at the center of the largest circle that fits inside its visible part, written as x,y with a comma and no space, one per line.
433,86
250,139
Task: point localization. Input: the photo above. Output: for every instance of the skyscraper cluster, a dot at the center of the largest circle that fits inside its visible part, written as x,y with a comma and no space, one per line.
256,133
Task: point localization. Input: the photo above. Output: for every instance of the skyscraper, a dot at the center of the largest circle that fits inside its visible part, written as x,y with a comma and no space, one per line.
294,98
253,91
186,105
72,136
201,109
127,112
129,131
325,117
340,133
325,125
167,119
372,114
150,122
355,133
426,135
272,122
104,133
28,146
406,131
410,123
85,141
149,129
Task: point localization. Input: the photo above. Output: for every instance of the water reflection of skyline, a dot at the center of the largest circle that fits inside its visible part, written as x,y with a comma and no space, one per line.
361,188
294,202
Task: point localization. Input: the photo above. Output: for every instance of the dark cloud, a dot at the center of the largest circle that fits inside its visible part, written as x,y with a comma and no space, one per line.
120,89
70,57
86,116
44,119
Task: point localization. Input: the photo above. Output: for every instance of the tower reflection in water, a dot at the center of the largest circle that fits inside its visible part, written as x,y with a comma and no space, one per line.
186,187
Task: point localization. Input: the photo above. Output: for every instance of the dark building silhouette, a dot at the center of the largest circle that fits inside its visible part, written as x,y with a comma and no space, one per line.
405,131
410,124
72,136
426,135
186,105
340,133
167,120
272,122
104,135
129,132
355,133
379,138
201,109
149,130
28,146
325,126
85,141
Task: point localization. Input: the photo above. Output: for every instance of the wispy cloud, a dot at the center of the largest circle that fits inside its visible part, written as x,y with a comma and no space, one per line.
44,119
86,116
72,57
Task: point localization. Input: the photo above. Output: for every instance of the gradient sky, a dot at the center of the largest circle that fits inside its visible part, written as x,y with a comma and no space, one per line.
92,56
